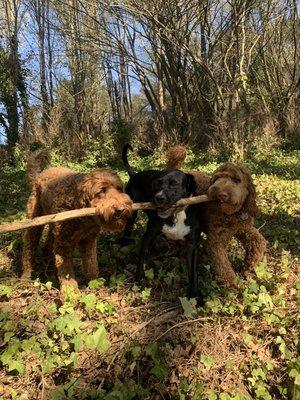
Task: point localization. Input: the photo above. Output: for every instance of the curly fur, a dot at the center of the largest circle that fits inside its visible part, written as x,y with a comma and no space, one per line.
60,189
230,212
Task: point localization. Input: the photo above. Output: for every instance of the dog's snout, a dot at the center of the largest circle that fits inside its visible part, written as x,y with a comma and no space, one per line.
119,212
159,198
223,196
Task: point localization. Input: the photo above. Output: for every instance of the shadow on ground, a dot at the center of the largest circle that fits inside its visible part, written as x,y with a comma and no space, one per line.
13,193
281,229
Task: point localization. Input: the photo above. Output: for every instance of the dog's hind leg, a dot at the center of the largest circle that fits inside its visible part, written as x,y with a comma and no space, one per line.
88,249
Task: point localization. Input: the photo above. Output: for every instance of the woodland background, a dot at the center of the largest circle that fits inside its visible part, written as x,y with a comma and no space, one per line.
89,75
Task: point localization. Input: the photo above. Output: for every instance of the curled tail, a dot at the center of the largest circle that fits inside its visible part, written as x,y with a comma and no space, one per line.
128,168
175,157
37,161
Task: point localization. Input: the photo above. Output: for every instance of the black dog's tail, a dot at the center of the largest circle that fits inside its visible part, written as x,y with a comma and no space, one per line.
128,168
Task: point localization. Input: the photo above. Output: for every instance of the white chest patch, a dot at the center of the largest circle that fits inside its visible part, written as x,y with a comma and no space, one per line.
179,230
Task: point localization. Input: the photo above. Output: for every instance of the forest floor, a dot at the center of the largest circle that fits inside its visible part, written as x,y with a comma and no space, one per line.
120,340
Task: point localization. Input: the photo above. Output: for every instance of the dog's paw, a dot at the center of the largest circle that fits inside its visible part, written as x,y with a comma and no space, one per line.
26,275
139,275
248,275
198,297
233,285
90,277
69,288
200,301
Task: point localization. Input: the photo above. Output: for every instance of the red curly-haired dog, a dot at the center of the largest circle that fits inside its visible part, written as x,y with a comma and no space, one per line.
230,213
60,189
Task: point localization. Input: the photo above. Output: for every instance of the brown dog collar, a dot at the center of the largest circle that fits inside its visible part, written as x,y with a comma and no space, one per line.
243,215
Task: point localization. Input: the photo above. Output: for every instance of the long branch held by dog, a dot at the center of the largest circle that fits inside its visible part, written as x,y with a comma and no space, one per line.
85,212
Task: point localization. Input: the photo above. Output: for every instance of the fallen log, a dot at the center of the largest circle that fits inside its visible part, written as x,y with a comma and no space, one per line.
85,212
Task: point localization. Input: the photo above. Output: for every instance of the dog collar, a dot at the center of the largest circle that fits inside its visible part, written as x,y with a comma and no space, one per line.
243,216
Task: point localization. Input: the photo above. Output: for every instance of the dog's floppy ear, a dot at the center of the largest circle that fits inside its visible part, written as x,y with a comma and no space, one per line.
153,185
216,175
83,195
191,184
250,205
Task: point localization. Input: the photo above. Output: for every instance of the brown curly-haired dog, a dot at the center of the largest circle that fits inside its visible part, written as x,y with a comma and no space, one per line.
230,212
61,189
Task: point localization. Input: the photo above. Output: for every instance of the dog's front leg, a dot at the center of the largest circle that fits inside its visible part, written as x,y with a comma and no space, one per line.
254,244
88,249
148,237
63,253
217,242
30,243
192,258
32,236
126,238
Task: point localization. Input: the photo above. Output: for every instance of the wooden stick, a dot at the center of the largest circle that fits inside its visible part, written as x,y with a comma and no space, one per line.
85,212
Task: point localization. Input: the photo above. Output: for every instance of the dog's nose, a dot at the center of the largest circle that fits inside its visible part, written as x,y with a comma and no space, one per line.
159,199
223,196
119,212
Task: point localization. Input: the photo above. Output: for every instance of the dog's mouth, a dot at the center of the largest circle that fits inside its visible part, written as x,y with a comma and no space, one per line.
121,214
116,223
214,195
113,218
165,212
226,201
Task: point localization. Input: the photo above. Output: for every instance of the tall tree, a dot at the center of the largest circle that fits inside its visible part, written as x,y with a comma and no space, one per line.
15,76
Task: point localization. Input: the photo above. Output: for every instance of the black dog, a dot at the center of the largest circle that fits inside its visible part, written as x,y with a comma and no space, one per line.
163,189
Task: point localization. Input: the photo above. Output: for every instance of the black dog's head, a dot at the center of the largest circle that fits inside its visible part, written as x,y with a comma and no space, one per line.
170,186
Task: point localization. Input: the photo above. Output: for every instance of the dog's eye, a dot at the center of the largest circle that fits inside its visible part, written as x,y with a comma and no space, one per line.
214,178
173,183
236,180
101,191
